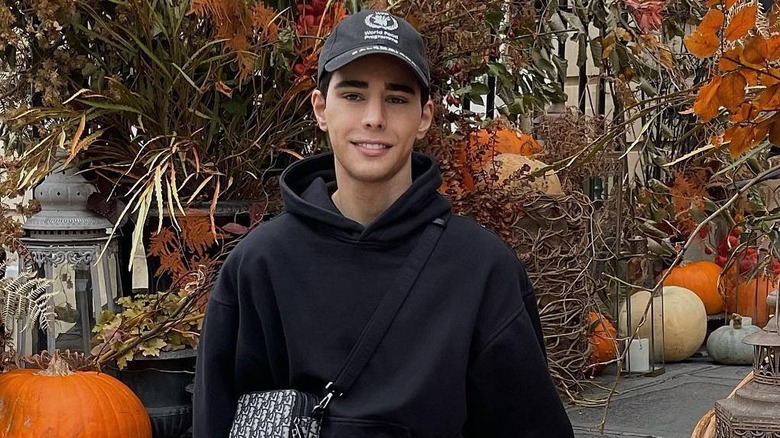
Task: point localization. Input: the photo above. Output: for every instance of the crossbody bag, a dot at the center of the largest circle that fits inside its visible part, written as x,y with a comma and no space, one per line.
289,413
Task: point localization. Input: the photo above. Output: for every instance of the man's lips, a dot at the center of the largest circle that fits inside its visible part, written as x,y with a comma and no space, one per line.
371,145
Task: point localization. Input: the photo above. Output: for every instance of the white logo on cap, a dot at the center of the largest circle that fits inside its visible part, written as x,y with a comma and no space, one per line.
379,20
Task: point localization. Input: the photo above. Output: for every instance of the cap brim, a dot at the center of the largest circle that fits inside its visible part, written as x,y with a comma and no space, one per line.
349,56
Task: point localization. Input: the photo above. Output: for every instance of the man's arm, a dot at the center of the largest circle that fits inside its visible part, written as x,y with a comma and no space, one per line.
509,388
215,399
510,391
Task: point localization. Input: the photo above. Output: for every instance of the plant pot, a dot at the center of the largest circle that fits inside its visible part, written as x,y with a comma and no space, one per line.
160,383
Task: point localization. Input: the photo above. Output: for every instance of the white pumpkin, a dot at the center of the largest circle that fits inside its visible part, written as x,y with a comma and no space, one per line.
682,330
725,345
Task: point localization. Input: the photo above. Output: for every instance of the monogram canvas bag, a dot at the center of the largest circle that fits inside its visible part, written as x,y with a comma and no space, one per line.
288,413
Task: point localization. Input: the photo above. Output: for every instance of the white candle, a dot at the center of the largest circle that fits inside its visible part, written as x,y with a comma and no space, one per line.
639,356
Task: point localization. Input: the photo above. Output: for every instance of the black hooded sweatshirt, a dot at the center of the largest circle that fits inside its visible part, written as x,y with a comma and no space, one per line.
462,358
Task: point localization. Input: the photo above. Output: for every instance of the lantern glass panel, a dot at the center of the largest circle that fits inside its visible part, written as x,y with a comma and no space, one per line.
73,310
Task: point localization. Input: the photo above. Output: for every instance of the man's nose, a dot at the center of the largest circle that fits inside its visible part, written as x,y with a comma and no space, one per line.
374,115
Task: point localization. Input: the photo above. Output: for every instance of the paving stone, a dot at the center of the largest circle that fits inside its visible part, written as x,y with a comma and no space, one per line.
665,406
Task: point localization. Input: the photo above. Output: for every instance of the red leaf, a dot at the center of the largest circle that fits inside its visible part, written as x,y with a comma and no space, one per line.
234,228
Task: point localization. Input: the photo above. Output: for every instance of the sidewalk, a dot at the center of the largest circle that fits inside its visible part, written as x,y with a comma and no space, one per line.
665,406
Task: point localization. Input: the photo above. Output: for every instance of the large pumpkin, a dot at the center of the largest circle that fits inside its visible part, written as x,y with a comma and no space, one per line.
479,151
681,331
505,141
601,336
509,164
701,277
59,403
749,298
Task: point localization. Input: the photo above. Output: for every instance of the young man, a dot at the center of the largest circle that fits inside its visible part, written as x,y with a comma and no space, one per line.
464,355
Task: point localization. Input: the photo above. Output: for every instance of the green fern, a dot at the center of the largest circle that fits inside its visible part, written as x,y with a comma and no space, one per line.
26,297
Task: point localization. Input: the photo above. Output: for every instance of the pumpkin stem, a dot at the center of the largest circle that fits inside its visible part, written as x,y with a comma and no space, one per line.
737,320
57,367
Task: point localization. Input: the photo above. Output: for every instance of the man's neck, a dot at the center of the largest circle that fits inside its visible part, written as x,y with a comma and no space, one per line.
365,202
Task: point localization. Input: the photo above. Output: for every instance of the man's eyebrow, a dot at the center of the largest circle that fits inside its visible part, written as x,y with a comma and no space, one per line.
390,86
399,87
348,83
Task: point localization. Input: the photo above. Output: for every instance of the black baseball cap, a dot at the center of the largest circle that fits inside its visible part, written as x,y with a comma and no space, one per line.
371,32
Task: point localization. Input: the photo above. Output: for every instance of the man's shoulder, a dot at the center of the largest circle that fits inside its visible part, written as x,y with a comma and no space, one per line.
266,235
471,237
470,232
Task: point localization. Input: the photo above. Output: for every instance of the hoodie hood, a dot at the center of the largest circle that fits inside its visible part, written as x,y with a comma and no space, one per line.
308,184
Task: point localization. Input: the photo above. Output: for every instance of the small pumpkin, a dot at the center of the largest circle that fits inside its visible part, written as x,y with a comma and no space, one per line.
58,403
601,336
724,345
681,331
749,298
701,277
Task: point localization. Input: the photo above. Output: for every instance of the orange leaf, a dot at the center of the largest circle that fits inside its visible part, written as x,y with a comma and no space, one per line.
773,48
755,51
702,45
751,76
771,77
704,41
769,99
741,140
741,23
727,3
774,131
712,21
773,16
717,140
731,91
707,103
761,130
746,112
728,62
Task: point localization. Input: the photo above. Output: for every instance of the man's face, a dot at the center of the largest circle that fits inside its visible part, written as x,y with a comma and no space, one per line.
372,117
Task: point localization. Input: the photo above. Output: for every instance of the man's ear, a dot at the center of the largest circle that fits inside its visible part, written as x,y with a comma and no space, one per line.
425,119
318,103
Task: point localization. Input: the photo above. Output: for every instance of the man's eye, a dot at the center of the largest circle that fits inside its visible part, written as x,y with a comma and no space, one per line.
352,96
397,100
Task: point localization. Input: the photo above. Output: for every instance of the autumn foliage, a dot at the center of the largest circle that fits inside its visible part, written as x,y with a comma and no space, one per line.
745,45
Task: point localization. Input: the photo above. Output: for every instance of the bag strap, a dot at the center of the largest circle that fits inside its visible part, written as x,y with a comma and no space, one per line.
383,315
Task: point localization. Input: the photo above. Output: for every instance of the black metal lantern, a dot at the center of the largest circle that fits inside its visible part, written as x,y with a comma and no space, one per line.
755,409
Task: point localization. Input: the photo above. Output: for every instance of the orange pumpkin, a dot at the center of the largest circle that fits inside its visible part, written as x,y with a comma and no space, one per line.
601,335
749,298
701,277
484,146
58,403
505,141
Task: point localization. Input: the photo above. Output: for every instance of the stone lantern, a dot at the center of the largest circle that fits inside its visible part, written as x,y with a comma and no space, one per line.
66,242
755,409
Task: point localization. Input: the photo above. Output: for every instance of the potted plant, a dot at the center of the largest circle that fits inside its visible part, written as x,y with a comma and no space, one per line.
150,344
162,105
